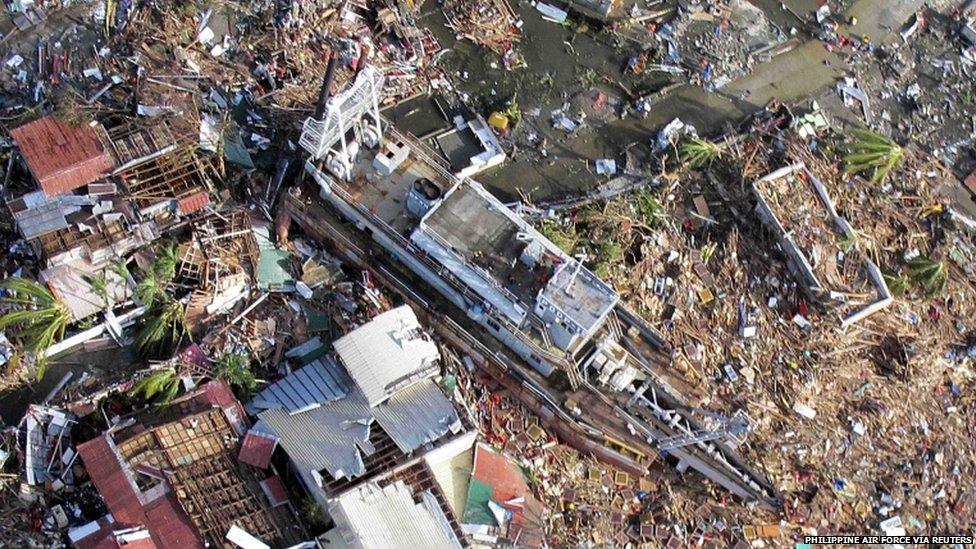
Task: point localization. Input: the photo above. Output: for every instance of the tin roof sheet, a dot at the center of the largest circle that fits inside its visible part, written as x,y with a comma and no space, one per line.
375,517
257,449
388,353
308,387
335,436
167,523
195,202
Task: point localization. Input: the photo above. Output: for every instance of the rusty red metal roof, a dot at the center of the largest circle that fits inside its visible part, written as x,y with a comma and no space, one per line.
194,202
257,448
495,470
275,490
220,394
168,525
113,484
510,490
62,157
104,538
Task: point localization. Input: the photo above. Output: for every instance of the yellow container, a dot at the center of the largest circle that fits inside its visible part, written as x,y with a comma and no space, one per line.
498,121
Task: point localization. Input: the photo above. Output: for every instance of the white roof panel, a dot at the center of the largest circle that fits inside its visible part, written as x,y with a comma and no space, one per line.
388,353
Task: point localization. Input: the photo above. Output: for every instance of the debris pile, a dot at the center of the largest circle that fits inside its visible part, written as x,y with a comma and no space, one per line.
888,392
492,24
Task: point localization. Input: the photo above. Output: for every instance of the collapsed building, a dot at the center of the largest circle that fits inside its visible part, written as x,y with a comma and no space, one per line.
795,205
170,478
101,193
549,311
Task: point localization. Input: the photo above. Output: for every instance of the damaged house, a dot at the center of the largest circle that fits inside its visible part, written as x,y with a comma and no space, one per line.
170,478
98,196
363,413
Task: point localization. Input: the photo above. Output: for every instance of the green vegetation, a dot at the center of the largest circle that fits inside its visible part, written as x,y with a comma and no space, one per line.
235,369
608,254
38,319
98,283
563,237
649,207
312,516
120,268
159,388
847,242
163,330
929,274
897,284
696,152
871,153
512,109
162,271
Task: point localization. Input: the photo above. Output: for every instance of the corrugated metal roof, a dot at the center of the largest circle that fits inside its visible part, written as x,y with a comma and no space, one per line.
62,157
37,214
335,436
495,470
372,517
117,489
71,284
388,353
496,478
417,415
169,524
165,519
257,449
273,270
195,202
274,490
320,382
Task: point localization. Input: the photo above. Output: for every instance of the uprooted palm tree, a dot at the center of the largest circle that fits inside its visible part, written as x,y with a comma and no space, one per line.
698,153
872,153
38,318
163,330
235,369
159,388
152,287
930,274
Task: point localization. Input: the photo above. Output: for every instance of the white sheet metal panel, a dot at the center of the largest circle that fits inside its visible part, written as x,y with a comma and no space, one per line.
371,517
388,353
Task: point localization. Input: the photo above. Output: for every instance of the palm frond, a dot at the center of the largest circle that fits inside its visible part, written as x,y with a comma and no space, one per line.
931,275
697,152
236,370
872,153
163,330
160,387
35,317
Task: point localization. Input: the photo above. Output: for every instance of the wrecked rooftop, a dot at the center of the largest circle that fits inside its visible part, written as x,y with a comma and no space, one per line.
713,286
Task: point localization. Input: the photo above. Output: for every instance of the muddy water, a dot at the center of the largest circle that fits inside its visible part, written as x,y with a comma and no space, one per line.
561,62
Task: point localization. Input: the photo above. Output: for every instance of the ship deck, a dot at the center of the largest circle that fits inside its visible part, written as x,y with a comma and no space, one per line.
386,196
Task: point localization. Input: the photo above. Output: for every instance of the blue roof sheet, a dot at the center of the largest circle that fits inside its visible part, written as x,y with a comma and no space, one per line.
319,382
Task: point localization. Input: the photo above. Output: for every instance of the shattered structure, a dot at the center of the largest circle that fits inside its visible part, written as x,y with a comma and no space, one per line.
365,410
175,480
605,341
804,232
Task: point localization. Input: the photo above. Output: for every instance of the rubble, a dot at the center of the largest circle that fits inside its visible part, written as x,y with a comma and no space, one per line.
245,304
